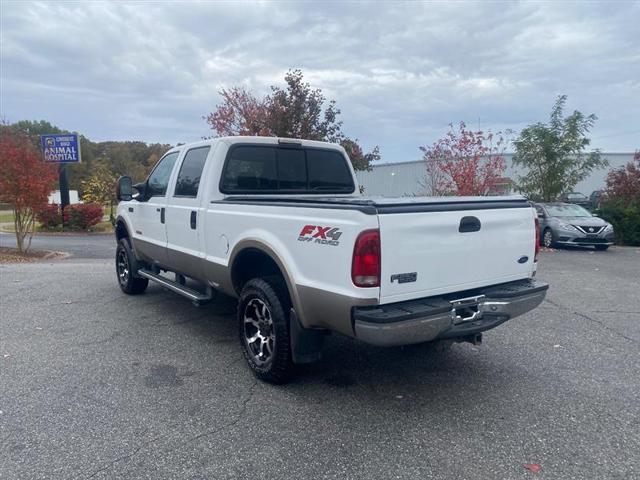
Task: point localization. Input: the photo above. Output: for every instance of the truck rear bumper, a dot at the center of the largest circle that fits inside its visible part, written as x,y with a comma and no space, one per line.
450,316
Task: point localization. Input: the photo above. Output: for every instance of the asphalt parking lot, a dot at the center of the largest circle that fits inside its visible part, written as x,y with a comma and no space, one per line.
95,384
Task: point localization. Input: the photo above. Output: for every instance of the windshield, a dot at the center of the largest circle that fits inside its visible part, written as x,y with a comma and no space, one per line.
576,196
567,211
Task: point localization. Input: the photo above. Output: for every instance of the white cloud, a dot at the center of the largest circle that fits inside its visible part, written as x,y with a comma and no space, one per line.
400,72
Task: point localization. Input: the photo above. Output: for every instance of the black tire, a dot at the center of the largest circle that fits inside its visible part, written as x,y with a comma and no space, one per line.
263,315
548,238
602,248
129,284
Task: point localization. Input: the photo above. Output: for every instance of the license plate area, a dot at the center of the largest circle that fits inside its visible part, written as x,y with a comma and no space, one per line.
466,309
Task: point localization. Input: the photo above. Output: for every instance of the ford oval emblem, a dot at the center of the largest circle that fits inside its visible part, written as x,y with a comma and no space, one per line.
523,259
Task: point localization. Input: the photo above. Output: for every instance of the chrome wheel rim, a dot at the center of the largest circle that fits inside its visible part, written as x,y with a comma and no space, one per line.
259,333
548,238
122,266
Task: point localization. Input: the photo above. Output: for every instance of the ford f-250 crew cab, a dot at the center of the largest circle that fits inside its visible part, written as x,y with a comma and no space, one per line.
281,225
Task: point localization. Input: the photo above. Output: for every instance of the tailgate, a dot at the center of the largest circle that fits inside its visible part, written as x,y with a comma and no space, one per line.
436,249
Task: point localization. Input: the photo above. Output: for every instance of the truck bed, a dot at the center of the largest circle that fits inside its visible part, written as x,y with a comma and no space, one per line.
436,245
384,205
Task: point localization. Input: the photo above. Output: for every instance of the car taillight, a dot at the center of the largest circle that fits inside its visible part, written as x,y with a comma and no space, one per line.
365,267
537,242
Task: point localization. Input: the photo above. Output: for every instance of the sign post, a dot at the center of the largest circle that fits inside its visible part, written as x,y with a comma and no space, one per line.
61,149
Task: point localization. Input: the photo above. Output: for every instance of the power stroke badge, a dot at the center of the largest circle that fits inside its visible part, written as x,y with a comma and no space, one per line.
321,235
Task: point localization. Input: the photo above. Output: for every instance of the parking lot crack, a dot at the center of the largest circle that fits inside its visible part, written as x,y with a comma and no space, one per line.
227,425
593,320
605,326
125,457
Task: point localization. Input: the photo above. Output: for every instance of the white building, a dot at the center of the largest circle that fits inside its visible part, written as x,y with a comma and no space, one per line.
408,178
54,197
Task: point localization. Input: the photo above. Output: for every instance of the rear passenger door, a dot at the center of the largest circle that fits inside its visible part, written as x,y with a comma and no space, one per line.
185,214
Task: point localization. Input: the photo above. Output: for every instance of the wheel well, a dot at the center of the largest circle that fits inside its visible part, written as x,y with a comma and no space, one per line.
121,230
251,263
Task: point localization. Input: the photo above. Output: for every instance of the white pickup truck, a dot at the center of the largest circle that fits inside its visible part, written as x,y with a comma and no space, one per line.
281,225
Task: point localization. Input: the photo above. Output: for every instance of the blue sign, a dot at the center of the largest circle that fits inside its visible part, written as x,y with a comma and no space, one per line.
61,148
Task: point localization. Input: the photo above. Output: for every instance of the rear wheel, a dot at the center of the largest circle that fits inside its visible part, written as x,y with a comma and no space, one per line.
129,284
601,247
264,329
547,238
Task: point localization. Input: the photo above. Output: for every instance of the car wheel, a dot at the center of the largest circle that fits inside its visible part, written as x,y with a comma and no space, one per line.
264,328
547,238
602,248
124,260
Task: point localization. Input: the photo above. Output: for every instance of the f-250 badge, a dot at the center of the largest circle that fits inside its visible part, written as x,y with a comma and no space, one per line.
321,235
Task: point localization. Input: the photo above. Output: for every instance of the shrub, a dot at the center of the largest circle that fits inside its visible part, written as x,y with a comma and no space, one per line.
49,215
625,220
83,216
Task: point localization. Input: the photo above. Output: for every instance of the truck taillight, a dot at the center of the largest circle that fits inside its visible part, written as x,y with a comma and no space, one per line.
535,257
365,267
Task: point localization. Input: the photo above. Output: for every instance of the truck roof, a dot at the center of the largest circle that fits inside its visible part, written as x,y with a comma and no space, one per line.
232,140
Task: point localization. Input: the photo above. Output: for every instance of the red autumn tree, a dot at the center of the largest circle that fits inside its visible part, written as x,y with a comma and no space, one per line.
623,184
25,182
296,111
464,162
240,113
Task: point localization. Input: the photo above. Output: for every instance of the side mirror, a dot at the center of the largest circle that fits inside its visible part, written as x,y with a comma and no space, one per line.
124,189
594,214
142,191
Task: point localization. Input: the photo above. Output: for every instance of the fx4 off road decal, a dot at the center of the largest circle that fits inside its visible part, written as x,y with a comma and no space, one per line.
321,235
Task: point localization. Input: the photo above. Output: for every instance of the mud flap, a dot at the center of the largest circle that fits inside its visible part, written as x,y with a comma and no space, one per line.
306,344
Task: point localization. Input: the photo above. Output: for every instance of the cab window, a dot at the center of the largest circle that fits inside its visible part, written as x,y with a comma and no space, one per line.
268,169
159,178
190,172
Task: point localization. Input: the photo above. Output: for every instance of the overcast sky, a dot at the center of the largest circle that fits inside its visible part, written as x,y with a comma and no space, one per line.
400,72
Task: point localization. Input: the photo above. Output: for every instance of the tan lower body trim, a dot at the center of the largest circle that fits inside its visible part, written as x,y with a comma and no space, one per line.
324,309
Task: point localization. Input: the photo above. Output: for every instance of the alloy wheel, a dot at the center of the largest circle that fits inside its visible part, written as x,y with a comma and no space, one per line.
123,267
259,331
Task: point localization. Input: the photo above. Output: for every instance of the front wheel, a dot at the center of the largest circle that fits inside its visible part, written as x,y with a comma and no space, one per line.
129,284
602,248
264,329
547,238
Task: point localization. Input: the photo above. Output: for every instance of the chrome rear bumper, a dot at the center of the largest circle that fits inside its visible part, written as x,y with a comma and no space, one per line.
435,318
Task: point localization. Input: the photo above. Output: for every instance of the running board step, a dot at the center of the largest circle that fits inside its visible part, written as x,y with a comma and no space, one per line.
193,295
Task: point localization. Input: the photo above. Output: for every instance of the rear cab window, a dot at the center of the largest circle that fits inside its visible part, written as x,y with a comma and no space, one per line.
190,172
266,169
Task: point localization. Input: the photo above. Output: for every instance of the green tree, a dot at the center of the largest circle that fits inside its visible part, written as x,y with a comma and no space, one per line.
99,188
553,154
132,158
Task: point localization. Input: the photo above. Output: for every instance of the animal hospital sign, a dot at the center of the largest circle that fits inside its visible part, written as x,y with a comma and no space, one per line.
63,148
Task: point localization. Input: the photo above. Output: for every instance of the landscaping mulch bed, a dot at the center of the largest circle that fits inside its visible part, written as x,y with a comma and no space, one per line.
11,255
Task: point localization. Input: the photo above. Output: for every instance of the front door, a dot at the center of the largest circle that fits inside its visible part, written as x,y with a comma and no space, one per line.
150,234
184,215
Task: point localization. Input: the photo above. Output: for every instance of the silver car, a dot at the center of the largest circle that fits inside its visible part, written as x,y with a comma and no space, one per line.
570,224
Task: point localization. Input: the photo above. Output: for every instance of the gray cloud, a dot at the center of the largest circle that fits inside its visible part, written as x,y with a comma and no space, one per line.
400,72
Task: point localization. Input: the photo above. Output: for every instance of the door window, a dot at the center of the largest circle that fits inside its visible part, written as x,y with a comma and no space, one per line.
190,172
159,178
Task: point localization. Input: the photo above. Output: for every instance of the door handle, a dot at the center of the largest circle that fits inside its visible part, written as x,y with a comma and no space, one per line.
161,210
469,224
193,219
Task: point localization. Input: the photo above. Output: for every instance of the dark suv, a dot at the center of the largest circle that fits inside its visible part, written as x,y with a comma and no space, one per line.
569,224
